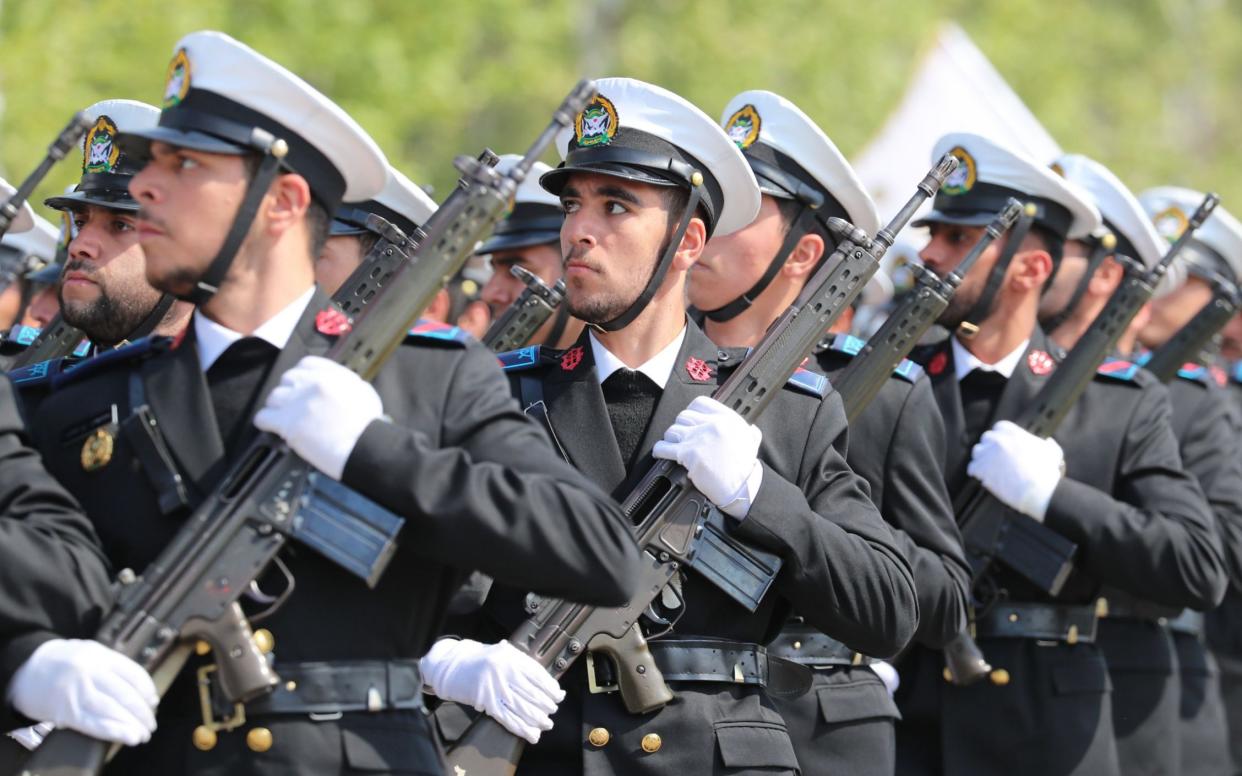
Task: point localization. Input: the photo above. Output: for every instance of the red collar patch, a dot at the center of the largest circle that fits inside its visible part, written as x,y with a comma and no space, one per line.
938,363
1219,375
698,369
332,322
571,358
1040,362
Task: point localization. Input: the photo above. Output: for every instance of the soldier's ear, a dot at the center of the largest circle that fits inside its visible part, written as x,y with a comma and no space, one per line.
287,202
804,257
691,245
1030,269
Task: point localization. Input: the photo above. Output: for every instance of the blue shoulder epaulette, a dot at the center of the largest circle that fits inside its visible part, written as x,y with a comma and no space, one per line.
852,346
522,358
22,335
126,354
806,381
1118,369
1235,373
1195,373
39,374
429,329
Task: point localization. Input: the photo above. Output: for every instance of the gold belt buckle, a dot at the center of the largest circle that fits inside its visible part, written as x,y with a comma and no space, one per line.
231,722
592,685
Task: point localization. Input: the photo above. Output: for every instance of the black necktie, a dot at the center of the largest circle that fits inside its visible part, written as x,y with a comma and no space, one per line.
981,390
234,381
631,398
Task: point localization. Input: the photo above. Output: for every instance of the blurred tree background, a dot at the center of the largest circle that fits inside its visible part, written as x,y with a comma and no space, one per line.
1151,88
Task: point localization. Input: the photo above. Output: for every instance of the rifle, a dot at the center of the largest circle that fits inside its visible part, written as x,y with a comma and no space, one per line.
1189,342
60,147
990,531
514,328
392,248
861,379
668,512
270,495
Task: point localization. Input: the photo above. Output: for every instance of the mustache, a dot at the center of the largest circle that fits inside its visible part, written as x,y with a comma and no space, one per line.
78,265
578,254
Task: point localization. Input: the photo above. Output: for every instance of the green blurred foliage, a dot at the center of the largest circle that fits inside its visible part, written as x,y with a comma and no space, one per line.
1149,87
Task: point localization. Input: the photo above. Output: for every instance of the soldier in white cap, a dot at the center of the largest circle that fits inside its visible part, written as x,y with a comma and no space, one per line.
743,282
401,202
243,172
646,179
1207,423
530,238
33,252
1109,480
1132,633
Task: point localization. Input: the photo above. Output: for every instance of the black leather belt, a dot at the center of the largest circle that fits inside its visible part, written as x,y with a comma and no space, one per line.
1119,606
1189,622
806,646
734,662
1068,623
333,688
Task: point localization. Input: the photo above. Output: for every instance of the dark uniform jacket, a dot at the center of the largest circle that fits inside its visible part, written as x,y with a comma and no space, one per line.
476,482
1142,526
846,724
843,570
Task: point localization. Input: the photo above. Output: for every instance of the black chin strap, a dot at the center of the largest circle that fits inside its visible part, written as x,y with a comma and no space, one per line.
666,261
153,318
1102,249
559,322
273,150
983,305
797,229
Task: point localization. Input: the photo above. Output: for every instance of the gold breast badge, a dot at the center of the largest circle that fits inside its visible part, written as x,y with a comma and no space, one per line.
97,449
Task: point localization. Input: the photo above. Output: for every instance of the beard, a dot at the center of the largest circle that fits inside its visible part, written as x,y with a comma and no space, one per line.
113,315
959,307
612,303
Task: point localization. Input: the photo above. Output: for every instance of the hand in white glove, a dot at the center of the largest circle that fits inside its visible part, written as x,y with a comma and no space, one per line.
719,450
320,409
888,675
1019,468
497,679
87,687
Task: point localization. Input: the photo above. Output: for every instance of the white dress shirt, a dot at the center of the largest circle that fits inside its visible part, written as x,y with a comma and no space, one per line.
212,339
659,367
964,362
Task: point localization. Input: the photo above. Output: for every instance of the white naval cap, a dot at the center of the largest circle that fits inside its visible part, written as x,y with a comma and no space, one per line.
106,170
536,216
220,90
1122,213
39,241
401,202
1216,247
789,154
638,131
988,174
24,220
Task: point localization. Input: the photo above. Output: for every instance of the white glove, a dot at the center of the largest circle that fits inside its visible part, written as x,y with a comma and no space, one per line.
320,409
1019,468
497,679
87,687
888,675
720,451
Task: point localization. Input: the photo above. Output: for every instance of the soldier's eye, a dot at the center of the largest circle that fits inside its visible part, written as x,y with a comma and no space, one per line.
186,163
569,206
615,208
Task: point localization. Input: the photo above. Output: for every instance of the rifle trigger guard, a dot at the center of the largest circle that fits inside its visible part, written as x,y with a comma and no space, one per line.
231,722
273,603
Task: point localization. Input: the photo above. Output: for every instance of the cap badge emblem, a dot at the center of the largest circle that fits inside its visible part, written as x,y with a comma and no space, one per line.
743,126
1171,222
99,151
962,179
596,124
178,79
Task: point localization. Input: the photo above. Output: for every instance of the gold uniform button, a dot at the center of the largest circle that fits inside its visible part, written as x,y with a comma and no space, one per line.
1000,677
948,675
652,743
204,738
259,739
202,648
264,640
599,736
